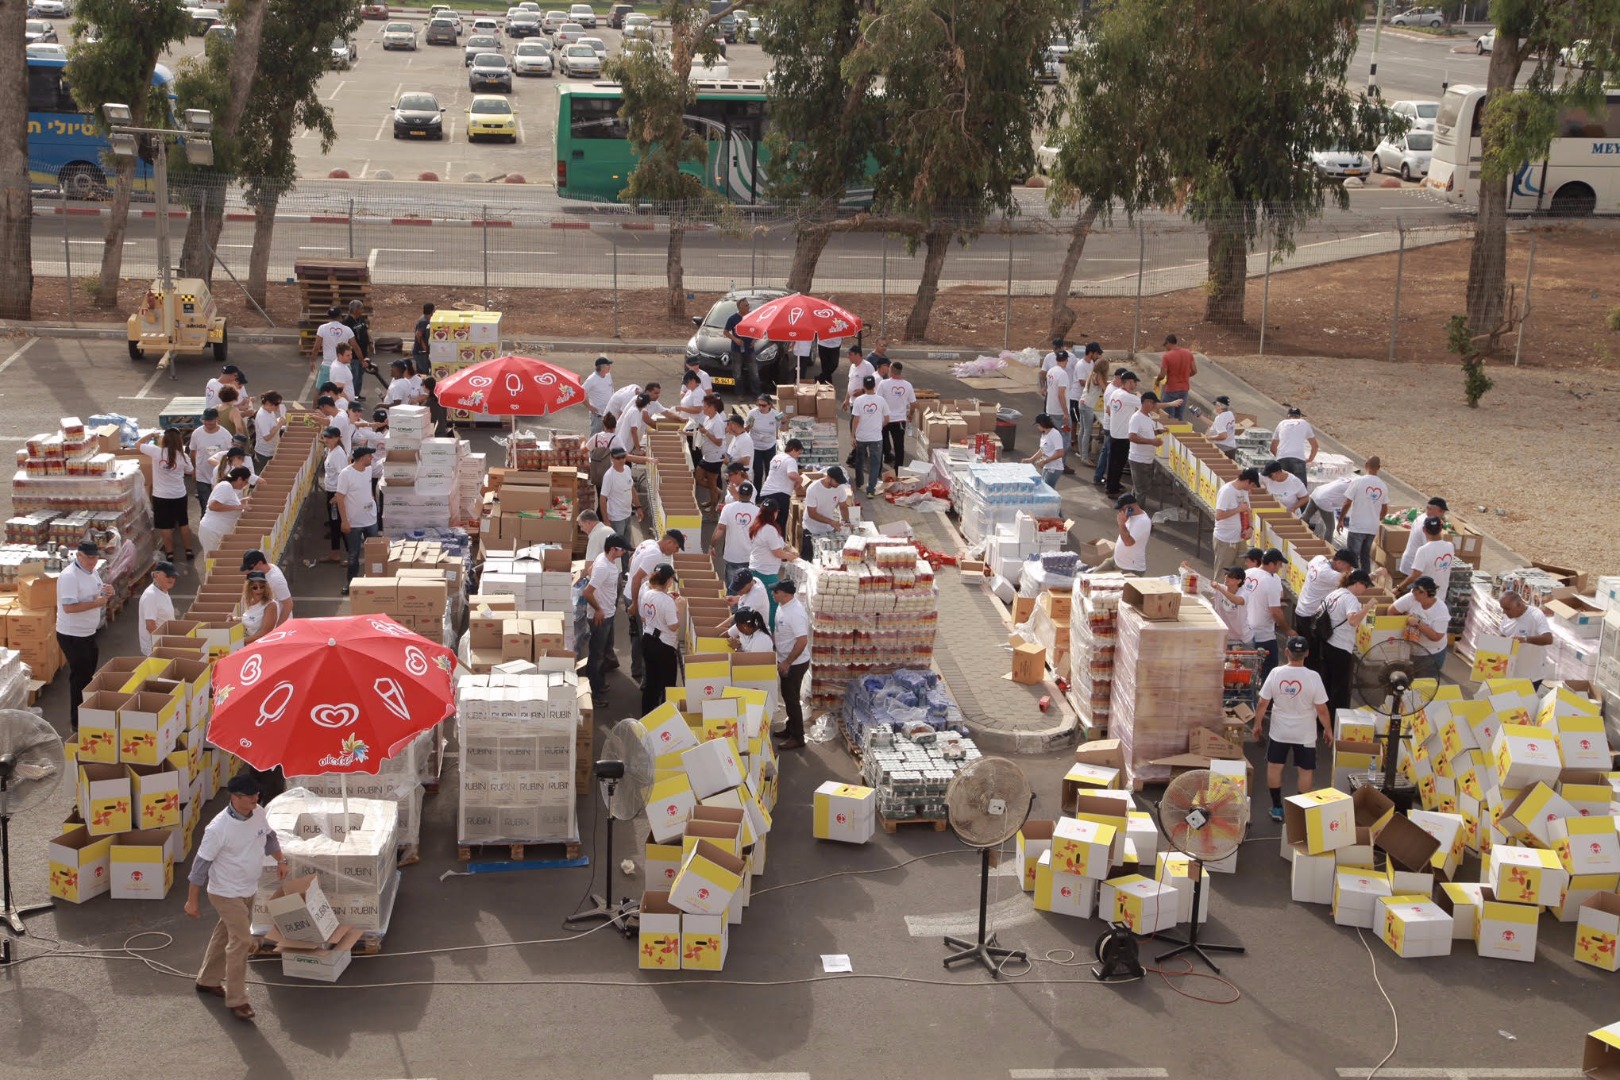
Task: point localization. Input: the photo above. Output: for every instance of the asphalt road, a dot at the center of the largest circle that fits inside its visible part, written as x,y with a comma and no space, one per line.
1306,1001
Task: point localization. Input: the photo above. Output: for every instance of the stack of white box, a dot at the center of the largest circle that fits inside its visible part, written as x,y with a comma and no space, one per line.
535,588
354,858
517,737
1014,542
467,508
398,780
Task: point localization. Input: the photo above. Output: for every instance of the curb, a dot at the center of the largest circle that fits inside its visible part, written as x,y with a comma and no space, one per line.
374,219
1045,741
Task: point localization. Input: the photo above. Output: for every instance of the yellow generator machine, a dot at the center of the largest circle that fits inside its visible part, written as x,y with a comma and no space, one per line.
179,322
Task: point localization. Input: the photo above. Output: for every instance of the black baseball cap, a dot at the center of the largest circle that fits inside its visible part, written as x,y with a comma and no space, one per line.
331,433
869,382
837,475
616,540
785,586
675,535
1294,410
253,558
1427,584
361,452
1129,376
89,547
166,567
743,581
243,784
745,490
1254,555
1223,400
602,361
1272,555
334,312
1298,646
1124,500
1441,503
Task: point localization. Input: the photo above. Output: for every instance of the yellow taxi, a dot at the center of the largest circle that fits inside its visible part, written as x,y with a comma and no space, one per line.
490,116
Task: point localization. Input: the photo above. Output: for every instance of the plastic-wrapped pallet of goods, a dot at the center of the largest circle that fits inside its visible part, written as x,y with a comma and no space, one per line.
398,780
996,492
14,676
1093,633
1167,680
517,738
355,859
820,439
874,614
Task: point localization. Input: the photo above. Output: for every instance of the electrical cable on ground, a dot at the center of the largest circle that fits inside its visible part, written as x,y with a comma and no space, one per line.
1393,1014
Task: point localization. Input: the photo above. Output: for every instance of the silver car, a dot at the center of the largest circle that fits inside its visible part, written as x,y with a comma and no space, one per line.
532,58
638,26
1338,163
399,35
584,15
567,34
581,61
482,43
1408,154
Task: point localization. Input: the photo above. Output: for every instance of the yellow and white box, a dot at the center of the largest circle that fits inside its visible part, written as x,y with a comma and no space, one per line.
1082,847
667,731
668,806
1597,931
1311,877
1525,754
659,938
708,877
662,863
1321,820
1582,742
1061,893
1142,836
142,864
704,941
1462,900
1506,931
80,866
1580,888
1526,875
1355,897
1034,840
1175,870
1529,818
155,795
1414,926
1586,846
844,812
105,801
1145,906
1600,1058
713,767
1450,830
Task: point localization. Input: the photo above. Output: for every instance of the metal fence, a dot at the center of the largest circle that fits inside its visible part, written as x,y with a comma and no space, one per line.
476,238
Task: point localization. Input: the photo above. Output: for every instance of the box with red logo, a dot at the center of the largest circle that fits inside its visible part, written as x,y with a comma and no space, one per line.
1355,897
1320,821
668,806
1597,931
1062,893
1505,931
659,940
845,812
1034,840
708,877
1414,926
142,864
1529,817
80,866
1526,875
1525,754
1082,847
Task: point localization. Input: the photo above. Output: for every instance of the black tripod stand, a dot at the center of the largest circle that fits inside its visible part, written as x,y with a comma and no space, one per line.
603,909
985,950
12,914
1192,944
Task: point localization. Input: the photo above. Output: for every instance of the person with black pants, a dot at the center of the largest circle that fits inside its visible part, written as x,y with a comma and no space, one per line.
1343,611
1121,407
81,600
662,611
791,631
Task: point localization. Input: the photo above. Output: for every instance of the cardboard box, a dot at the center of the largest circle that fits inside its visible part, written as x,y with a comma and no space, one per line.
155,794
669,804
301,912
1597,931
324,962
704,942
1355,897
712,767
373,596
1145,906
1600,1059
1526,875
1311,877
1082,779
1525,754
80,865
1176,870
1586,846
142,864
1414,926
1062,893
1083,848
1034,840
659,942
844,812
707,879
1105,752
1320,821
1157,600
1029,665
105,798
98,726
1505,931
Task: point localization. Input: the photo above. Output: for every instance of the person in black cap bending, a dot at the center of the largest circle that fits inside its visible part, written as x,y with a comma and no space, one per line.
81,601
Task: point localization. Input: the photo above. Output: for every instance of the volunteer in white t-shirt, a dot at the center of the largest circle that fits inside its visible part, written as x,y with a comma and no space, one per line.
1262,599
782,479
1142,432
1048,456
1322,512
617,500
1427,623
1529,629
1234,518
1082,408
859,369
867,416
1058,381
357,508
1323,574
1223,426
1227,585
791,631
740,445
898,393
1344,613
1285,487
1294,443
762,424
1130,545
1123,405
171,499
1437,508
598,386
826,508
1363,511
1434,558
205,442
225,504
602,601
268,424
1296,700
156,606
662,612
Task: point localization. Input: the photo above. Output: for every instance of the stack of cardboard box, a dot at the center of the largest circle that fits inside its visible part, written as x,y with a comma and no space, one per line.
30,622
398,780
812,417
460,339
710,814
423,477
941,423
995,493
419,584
522,509
1167,675
500,633
517,734
307,935
874,614
354,858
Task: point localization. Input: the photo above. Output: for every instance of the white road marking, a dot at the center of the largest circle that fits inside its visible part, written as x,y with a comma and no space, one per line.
521,139
732,1076
988,259
1465,1073
242,247
1013,911
337,90
1086,1074
365,167
495,253
386,120
14,357
101,243
157,373
304,248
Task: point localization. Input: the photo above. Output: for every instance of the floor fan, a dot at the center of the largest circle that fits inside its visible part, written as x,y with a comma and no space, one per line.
625,777
1385,680
31,765
986,804
1203,816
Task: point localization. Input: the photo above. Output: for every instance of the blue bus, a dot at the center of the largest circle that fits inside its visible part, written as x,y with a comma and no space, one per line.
64,149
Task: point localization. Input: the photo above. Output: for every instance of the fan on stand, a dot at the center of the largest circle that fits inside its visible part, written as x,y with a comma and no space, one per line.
31,765
625,776
1386,681
986,804
1203,816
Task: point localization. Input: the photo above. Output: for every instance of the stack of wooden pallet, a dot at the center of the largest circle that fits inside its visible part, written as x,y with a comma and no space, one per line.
324,284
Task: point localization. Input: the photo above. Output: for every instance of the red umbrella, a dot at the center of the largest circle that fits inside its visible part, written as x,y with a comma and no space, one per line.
330,695
511,386
798,318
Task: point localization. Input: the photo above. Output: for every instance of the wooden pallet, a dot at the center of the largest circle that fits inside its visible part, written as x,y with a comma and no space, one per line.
892,825
370,944
517,852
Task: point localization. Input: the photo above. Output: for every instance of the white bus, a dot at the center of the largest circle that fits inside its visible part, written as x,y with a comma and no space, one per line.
1580,174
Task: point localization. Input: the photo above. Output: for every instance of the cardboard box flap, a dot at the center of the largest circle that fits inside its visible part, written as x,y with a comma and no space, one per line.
1407,845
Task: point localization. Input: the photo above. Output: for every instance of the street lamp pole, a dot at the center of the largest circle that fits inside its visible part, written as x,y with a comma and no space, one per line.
160,184
1378,32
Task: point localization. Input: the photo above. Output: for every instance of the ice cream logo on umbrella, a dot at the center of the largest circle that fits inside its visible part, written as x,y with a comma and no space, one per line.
479,382
546,378
415,661
391,628
566,395
274,704
393,695
794,315
443,662
252,669
222,692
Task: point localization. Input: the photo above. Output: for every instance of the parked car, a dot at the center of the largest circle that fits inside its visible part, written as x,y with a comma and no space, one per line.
1577,55
418,116
202,18
1407,154
48,50
712,349
490,116
618,13
487,27
581,61
222,31
343,53
755,29
638,27
37,30
552,21
1419,115
1485,42
1052,61
399,35
524,24
1338,163
1046,156
443,31
444,11
1430,17
374,11
530,5
490,71
598,44
49,9
477,46
533,58
583,14
567,34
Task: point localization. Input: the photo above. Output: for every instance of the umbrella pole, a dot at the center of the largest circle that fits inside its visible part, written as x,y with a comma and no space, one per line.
343,786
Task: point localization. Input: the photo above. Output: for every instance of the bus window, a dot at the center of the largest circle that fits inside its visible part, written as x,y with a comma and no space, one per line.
48,91
1576,123
595,118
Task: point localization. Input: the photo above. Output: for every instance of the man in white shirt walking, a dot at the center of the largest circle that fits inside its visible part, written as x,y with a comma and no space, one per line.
868,415
859,369
1296,699
206,441
228,865
1234,518
1262,604
599,391
156,606
81,600
601,597
1105,410
331,334
617,499
357,509
1363,511
730,537
762,423
1294,443
1057,379
782,480
899,395
791,631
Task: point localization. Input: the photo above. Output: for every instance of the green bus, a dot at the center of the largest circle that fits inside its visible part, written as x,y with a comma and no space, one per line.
594,159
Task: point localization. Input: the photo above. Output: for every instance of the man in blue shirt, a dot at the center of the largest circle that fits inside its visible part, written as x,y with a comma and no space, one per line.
742,353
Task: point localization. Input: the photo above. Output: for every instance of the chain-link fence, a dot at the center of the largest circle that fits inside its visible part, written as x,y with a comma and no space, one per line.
480,240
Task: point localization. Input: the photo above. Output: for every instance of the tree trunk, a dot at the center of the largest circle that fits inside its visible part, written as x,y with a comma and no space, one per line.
807,248
1063,315
264,224
939,245
203,227
244,64
1487,262
16,194
112,248
1228,268
674,271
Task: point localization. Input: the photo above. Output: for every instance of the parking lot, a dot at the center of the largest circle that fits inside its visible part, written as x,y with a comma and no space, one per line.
361,99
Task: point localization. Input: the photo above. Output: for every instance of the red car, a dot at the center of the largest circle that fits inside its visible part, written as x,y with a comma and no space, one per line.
374,11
